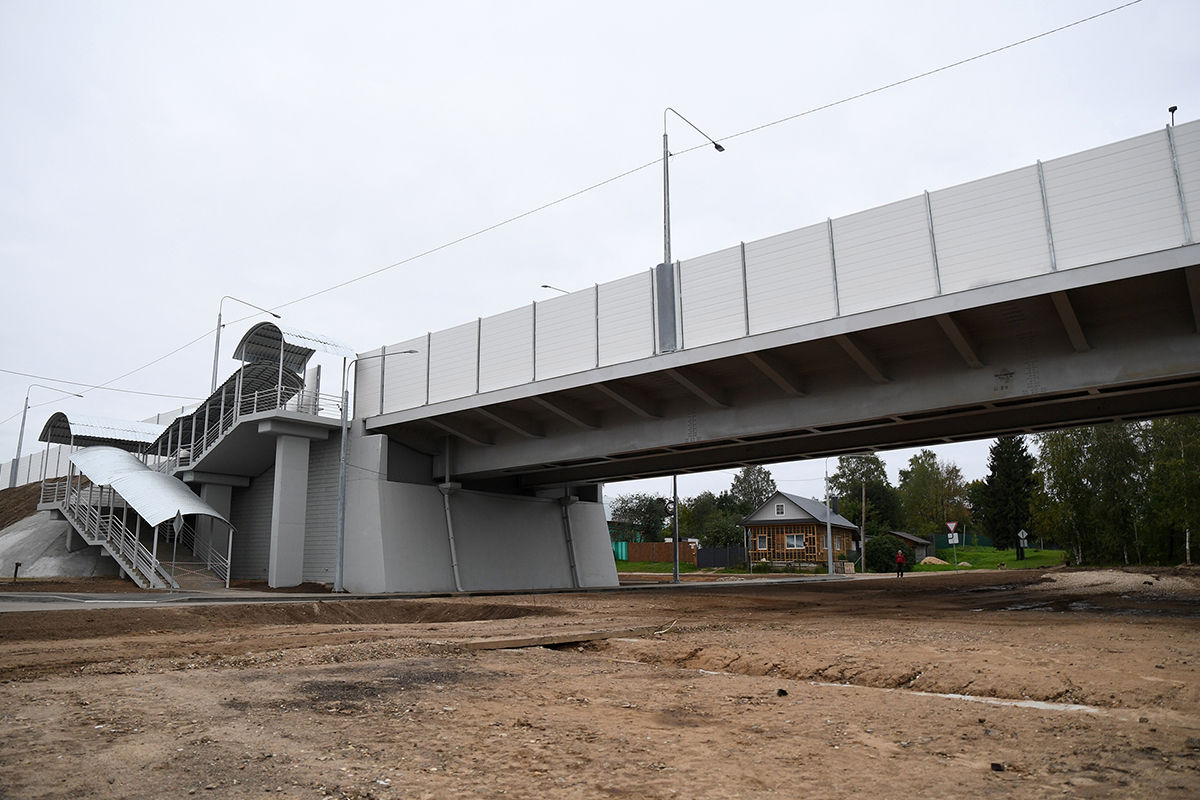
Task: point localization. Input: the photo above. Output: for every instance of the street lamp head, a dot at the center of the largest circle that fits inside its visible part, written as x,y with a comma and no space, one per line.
719,148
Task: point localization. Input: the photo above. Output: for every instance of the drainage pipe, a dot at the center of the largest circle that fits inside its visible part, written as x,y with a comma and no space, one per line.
566,501
446,489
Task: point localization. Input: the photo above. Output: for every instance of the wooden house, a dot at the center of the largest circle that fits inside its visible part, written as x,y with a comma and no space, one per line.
788,529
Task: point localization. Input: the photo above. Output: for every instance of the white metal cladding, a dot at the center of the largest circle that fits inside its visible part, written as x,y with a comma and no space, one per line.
1113,201
1187,153
711,292
367,371
566,334
1110,202
789,279
991,230
506,349
157,497
404,375
883,256
626,319
251,507
452,363
320,515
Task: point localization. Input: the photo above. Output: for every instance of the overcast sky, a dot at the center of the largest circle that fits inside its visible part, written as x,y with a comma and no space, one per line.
157,156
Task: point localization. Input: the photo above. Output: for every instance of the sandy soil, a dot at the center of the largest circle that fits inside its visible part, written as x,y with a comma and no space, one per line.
1080,684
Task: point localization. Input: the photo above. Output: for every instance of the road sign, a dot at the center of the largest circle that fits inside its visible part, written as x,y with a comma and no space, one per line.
1023,535
952,526
952,538
178,523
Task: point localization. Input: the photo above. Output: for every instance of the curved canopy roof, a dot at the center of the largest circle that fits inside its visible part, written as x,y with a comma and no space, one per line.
262,342
86,431
156,497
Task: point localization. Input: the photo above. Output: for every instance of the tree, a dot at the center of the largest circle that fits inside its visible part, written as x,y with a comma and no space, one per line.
1172,452
645,514
1121,492
1066,497
932,493
713,519
881,554
752,487
1002,505
883,503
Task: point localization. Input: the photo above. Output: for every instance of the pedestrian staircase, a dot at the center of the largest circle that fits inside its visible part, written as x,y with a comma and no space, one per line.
101,518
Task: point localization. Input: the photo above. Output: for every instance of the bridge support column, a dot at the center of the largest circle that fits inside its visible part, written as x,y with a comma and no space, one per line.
216,490
288,507
285,566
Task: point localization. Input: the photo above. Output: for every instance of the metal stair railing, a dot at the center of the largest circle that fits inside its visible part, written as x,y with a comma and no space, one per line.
109,530
54,490
203,550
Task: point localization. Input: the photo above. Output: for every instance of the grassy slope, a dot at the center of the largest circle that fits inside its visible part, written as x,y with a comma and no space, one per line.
989,558
18,503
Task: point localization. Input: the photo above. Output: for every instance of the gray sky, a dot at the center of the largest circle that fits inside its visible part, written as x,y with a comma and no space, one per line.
156,156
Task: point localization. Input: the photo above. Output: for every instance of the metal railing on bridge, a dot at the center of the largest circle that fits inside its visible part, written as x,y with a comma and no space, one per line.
243,404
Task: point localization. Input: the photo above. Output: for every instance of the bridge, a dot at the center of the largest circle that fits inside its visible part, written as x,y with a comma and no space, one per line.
1062,293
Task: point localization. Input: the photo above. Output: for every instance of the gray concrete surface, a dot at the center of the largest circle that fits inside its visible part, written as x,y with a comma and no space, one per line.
39,543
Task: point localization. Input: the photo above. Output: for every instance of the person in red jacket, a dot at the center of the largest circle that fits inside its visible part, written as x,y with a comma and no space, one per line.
900,562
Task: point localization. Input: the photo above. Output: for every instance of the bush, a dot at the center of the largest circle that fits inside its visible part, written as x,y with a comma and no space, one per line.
881,554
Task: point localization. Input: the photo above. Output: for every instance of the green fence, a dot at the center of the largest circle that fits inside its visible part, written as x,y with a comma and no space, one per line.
942,541
621,550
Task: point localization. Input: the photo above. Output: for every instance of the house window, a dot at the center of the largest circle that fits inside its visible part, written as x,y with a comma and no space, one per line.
779,509
762,542
794,541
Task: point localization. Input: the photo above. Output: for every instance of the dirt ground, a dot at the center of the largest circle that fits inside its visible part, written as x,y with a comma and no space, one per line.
1060,683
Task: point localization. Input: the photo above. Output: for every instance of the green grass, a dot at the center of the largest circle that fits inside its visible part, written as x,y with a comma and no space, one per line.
990,558
651,566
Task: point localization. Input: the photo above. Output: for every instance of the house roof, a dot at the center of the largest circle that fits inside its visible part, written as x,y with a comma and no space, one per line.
908,537
814,508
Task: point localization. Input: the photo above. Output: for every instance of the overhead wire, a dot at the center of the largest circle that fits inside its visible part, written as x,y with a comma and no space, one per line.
627,173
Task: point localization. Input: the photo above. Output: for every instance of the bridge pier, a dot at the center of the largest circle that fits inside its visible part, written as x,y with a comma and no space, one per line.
397,537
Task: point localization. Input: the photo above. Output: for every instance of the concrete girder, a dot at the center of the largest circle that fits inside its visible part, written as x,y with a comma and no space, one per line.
515,422
863,357
463,431
1066,312
569,411
957,338
630,398
780,373
1192,274
700,386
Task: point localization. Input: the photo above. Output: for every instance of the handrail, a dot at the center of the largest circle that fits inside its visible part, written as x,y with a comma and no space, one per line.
202,548
243,404
94,524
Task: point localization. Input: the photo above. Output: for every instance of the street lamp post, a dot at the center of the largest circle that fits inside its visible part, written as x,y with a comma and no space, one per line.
12,477
338,567
217,345
667,180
